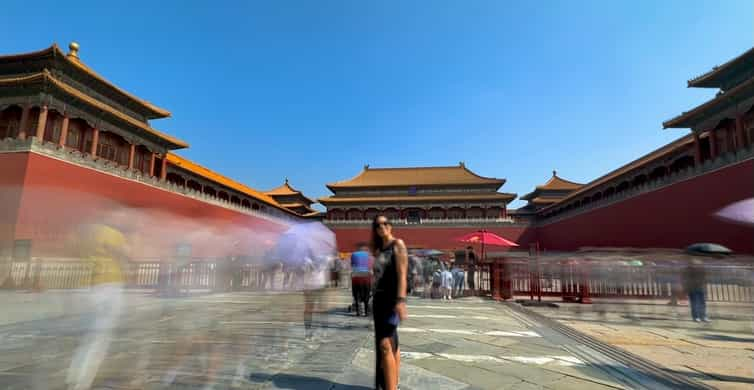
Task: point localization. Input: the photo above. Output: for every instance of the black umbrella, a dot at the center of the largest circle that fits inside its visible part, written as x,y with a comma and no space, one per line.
707,248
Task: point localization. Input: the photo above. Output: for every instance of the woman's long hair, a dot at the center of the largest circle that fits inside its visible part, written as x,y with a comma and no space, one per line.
377,241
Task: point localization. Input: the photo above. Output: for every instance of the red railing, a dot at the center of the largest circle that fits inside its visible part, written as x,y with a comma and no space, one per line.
579,281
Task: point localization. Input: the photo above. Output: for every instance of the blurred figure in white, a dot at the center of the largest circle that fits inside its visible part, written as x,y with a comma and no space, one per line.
106,248
446,284
459,277
315,282
310,247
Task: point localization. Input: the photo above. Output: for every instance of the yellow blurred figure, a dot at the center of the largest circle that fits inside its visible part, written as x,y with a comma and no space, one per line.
105,247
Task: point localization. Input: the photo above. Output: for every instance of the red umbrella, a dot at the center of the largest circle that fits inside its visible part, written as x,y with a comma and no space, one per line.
485,238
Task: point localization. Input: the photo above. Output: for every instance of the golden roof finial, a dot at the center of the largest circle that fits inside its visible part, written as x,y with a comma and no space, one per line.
73,50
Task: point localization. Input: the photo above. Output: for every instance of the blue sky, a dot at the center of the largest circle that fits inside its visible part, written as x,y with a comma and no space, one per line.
313,90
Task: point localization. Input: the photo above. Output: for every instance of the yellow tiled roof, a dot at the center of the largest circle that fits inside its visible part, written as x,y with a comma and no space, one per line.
287,190
416,176
55,50
557,183
220,179
419,198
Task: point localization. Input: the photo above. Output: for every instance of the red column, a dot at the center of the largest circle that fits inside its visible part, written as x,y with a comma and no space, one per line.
24,122
41,123
697,149
712,143
95,141
740,134
151,165
64,131
496,275
131,153
164,168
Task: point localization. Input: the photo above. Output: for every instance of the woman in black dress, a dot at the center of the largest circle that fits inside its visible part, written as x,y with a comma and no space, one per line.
389,300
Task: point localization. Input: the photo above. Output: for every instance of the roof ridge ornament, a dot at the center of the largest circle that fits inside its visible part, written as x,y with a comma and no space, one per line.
366,167
462,164
554,173
73,50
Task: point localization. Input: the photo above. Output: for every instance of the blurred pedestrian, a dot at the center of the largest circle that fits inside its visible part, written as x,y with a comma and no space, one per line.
361,278
287,276
389,301
446,284
427,270
268,275
106,248
315,282
471,261
695,282
459,275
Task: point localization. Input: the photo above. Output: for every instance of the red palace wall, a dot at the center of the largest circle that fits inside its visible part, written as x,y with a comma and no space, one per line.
430,237
58,196
671,217
12,172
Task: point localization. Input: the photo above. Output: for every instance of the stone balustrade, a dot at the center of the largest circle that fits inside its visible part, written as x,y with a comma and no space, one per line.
49,149
425,221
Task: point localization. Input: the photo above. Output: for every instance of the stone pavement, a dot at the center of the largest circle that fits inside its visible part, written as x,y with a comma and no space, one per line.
472,343
255,340
719,353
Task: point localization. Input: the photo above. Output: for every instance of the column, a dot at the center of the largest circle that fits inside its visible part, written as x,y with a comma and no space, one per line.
164,167
712,143
740,134
41,123
95,141
24,122
697,149
64,131
151,164
131,154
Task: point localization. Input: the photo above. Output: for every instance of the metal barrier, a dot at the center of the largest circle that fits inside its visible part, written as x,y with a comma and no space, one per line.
577,281
571,280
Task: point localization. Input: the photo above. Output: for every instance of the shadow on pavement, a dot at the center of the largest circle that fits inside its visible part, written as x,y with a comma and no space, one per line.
720,337
719,377
657,378
291,381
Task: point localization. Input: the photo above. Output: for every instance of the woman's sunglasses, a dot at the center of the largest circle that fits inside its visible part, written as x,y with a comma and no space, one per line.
378,224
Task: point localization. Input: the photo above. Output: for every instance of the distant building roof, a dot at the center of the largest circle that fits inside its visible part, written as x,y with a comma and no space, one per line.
556,183
286,190
415,176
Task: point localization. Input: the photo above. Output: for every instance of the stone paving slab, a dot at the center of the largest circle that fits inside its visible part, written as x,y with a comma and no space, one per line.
500,351
719,353
252,340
